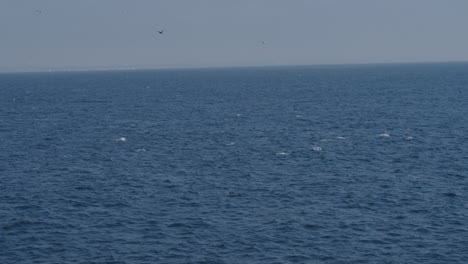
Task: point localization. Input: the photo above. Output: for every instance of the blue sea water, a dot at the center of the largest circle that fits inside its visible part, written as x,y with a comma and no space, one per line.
324,164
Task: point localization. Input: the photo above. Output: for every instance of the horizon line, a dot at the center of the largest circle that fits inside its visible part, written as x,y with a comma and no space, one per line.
156,68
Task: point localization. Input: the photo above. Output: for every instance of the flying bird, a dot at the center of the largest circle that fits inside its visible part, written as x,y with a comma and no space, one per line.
262,42
161,32
38,11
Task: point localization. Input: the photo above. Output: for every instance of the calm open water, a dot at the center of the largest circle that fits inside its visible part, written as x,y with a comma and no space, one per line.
331,164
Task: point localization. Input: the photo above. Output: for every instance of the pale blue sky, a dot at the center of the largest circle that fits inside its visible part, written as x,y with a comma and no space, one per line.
91,34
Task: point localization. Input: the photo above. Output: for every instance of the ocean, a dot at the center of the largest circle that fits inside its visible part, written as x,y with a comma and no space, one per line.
308,164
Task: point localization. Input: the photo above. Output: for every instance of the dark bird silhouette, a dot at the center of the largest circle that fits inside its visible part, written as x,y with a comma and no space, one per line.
262,42
161,32
38,11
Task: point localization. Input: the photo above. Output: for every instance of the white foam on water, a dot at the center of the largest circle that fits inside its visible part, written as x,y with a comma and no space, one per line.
408,138
317,149
282,153
384,135
140,150
230,144
340,138
122,139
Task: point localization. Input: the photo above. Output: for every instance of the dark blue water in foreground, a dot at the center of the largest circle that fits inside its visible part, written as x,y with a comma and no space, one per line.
342,164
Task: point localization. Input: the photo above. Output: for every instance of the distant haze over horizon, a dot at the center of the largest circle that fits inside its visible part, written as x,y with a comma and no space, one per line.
117,34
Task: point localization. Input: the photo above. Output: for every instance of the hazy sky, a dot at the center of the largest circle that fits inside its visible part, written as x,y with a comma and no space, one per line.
59,34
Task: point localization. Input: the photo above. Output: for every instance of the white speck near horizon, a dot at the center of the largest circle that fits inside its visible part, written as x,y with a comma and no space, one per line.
122,34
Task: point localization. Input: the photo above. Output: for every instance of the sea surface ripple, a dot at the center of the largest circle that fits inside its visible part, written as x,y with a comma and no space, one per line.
324,164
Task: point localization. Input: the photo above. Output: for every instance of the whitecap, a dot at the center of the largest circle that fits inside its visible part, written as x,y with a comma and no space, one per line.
121,139
282,153
384,135
408,138
140,150
340,138
230,144
317,149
